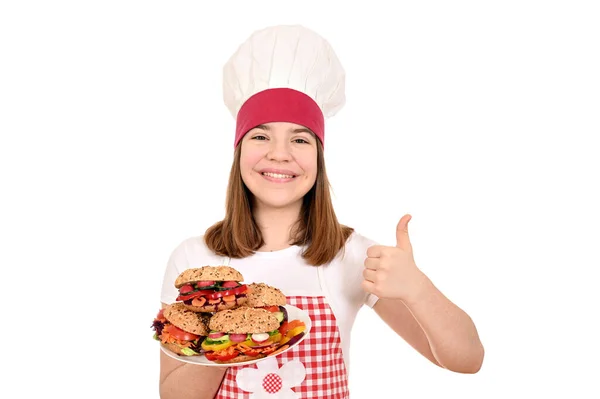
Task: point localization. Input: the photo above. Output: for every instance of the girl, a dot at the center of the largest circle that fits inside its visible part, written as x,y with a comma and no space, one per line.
280,228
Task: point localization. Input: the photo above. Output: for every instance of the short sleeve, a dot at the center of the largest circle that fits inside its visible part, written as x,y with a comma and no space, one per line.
360,244
177,262
371,300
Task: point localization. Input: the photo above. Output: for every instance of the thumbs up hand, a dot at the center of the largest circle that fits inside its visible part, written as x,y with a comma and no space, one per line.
391,272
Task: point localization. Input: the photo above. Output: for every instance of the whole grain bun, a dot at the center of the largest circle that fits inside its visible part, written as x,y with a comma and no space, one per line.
221,306
239,359
180,316
175,349
244,320
208,273
262,294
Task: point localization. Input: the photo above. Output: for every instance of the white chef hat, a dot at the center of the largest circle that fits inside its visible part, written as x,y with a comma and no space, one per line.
284,73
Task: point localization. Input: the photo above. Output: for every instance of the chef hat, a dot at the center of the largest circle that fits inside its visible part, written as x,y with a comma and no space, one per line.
284,73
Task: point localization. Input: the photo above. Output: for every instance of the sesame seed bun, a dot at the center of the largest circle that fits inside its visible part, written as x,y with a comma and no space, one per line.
244,320
208,308
262,294
181,317
208,273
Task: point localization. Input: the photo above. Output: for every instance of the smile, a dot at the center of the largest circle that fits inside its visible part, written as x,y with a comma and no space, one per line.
277,175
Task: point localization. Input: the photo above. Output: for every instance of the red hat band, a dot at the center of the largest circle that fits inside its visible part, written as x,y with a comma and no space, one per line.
280,105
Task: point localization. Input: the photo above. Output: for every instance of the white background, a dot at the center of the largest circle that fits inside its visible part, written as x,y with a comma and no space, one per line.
478,118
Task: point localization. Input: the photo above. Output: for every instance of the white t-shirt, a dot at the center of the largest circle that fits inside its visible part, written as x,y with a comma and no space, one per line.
339,281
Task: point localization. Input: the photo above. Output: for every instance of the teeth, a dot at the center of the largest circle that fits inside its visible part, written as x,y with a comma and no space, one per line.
277,175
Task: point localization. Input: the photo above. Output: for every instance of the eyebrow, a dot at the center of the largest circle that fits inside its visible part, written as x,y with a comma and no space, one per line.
298,130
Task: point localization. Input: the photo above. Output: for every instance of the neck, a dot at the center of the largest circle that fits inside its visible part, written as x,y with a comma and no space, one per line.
275,225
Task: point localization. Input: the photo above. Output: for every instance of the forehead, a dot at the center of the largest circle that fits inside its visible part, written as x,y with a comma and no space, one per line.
283,127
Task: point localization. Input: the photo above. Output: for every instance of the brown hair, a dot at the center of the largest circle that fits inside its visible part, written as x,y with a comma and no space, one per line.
238,235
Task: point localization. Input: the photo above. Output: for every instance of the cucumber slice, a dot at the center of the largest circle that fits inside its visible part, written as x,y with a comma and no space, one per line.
285,314
220,340
188,352
280,316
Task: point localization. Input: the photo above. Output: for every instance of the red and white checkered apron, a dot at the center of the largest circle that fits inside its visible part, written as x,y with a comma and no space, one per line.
320,353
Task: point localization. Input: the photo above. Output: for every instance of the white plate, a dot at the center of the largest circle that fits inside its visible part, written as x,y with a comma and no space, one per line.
294,313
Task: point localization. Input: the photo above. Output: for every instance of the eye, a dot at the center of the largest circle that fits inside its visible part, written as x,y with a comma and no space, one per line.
300,141
259,137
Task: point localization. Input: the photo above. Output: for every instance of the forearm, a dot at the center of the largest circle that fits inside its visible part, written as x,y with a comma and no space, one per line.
451,333
189,381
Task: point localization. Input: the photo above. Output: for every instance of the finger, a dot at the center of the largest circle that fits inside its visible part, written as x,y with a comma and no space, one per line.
369,275
371,263
374,251
402,239
368,286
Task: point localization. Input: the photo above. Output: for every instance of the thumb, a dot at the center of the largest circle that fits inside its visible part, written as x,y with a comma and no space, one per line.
402,239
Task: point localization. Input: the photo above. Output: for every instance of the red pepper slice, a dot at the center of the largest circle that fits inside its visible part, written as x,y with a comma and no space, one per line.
194,295
225,354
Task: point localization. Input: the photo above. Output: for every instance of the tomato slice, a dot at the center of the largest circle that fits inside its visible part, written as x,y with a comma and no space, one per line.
290,325
210,356
229,356
180,334
185,289
283,328
229,284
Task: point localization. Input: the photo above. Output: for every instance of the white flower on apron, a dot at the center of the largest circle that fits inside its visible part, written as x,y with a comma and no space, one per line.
268,381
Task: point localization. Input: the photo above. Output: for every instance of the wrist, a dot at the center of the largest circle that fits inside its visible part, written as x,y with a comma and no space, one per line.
421,288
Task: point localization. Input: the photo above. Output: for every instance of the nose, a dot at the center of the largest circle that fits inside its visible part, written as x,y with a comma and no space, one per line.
279,151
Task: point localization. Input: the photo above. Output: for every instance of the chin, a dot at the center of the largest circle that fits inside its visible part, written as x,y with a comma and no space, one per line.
274,195
278,198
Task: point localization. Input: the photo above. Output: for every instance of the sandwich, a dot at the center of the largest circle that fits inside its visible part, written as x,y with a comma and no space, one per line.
266,297
211,288
242,334
181,330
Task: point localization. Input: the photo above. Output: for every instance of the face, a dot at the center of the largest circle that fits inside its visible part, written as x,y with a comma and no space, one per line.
278,163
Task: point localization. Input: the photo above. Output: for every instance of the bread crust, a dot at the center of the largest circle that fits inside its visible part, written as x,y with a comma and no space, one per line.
208,273
244,320
262,294
180,316
176,349
220,306
239,359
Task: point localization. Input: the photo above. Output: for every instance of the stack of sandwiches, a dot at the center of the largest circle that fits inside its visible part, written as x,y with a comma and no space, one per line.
219,317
